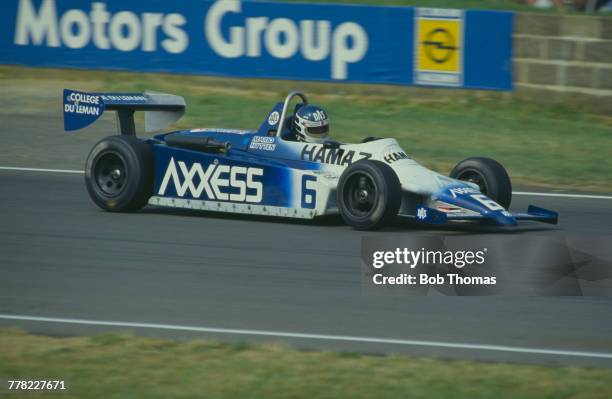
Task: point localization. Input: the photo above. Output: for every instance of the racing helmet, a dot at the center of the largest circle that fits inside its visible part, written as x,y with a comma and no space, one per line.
311,124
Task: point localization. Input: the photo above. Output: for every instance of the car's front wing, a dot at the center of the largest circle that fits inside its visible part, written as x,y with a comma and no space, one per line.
428,215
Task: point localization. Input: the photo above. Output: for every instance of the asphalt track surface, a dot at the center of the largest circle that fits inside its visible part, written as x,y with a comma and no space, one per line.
62,257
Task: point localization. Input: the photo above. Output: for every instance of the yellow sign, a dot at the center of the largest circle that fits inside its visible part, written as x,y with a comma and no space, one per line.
439,47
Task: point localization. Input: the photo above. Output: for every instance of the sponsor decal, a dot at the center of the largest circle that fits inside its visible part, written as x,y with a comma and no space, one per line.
283,38
395,156
218,130
226,31
319,115
263,143
438,47
215,181
124,98
462,190
76,28
421,214
273,118
477,196
333,156
81,109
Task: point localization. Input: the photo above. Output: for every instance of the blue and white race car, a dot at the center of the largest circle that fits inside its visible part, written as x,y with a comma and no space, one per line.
269,172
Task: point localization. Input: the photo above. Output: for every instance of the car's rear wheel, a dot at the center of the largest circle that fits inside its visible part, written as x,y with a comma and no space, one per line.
119,173
490,176
369,195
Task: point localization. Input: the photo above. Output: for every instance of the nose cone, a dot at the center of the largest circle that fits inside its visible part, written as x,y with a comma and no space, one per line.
471,199
502,218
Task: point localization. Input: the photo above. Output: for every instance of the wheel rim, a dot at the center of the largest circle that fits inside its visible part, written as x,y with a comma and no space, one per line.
110,174
474,176
360,194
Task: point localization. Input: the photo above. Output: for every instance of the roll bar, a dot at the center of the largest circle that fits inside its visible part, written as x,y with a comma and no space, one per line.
288,99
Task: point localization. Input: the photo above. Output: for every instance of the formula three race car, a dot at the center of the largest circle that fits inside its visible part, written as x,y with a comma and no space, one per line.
262,172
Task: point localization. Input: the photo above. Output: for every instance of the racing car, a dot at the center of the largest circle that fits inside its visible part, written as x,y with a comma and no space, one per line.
264,172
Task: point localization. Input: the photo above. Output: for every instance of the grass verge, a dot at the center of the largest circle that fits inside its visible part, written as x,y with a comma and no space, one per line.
540,145
119,366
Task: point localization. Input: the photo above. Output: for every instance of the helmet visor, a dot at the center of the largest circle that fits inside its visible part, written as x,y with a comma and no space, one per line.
318,130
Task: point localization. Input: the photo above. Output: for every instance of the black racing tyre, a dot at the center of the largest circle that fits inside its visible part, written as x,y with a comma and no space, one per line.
490,176
119,173
369,195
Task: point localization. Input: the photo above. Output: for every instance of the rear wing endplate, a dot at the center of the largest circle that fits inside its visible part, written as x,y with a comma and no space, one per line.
83,109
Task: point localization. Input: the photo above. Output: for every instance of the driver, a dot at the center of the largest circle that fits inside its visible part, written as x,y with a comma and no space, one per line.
311,124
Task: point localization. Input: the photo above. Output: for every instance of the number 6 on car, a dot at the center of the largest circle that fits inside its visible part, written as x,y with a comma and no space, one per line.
487,202
269,171
309,193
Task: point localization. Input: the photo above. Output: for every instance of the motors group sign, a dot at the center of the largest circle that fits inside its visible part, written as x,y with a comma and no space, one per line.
260,39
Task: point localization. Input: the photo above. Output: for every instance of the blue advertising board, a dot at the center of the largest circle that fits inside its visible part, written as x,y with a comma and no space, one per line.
328,42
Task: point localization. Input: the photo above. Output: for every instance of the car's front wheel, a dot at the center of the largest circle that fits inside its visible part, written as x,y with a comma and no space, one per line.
119,173
369,195
490,176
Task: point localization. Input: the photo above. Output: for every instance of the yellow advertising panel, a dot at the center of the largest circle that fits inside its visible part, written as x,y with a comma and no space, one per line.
439,47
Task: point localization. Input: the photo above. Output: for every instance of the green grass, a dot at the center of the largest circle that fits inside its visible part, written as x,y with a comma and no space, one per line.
540,145
120,366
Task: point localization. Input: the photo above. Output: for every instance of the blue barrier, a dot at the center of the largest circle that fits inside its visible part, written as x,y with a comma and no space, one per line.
370,44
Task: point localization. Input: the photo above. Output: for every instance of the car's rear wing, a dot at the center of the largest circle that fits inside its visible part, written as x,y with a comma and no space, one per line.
83,109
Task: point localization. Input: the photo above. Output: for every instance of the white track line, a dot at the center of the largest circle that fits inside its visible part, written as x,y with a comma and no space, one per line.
324,337
41,170
561,195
